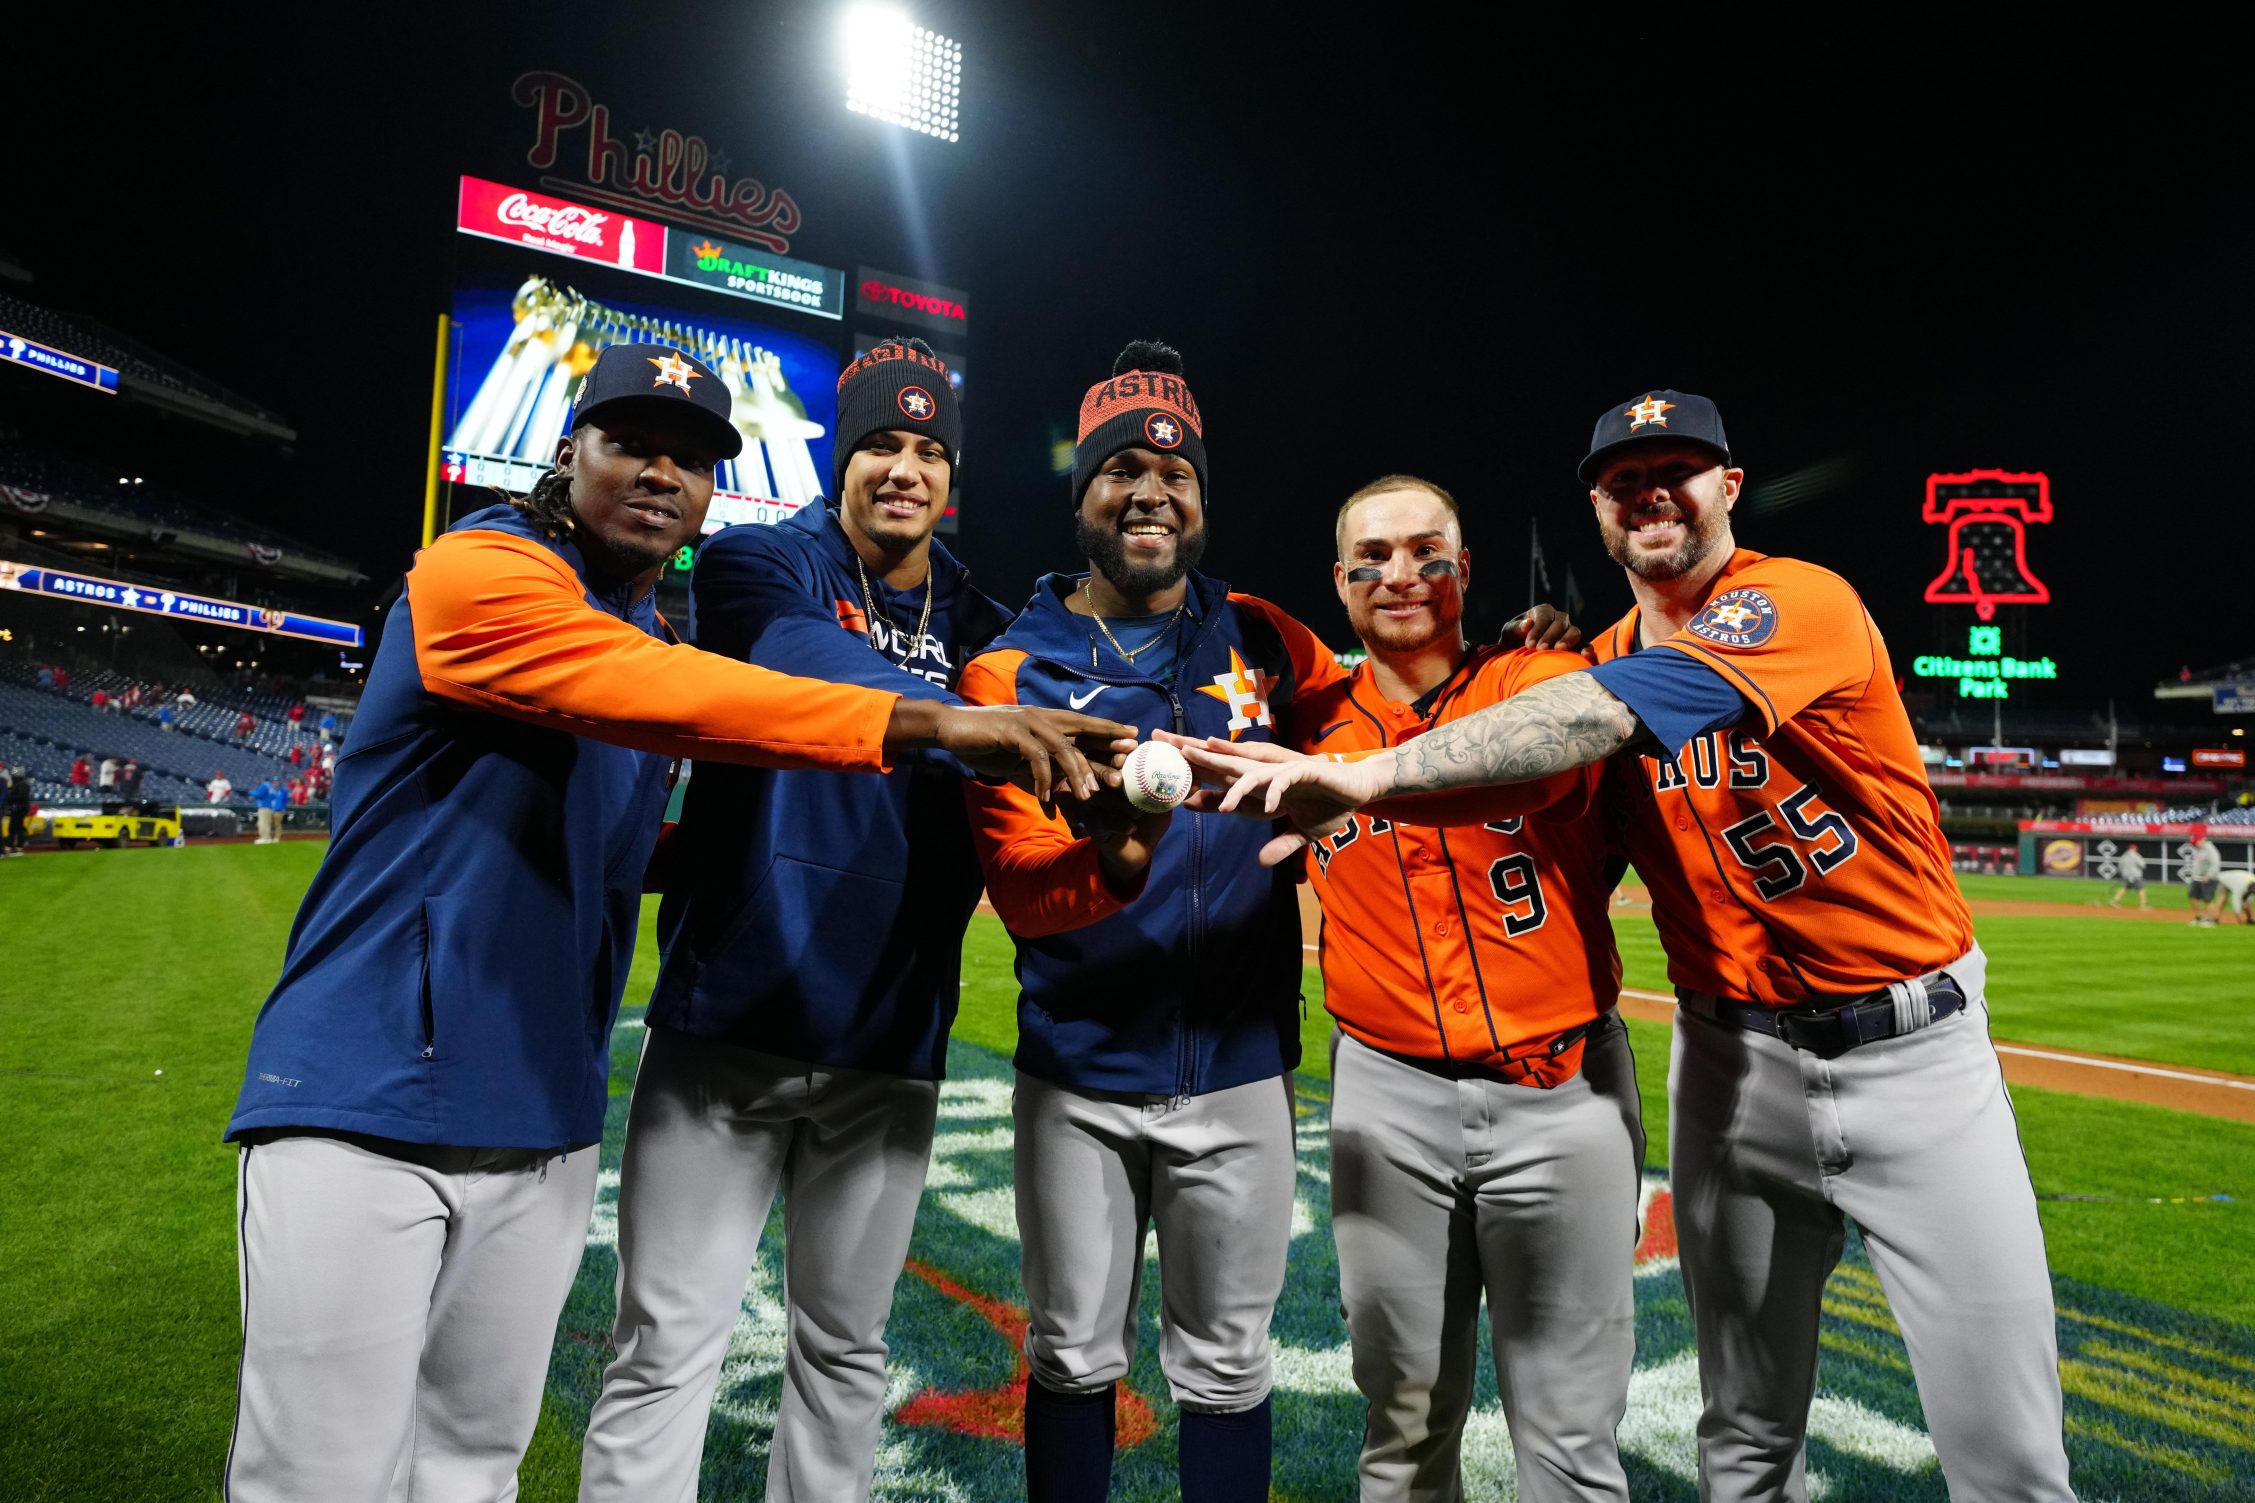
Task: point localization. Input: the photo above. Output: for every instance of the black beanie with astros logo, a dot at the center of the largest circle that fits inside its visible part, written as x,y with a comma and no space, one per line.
1146,405
899,384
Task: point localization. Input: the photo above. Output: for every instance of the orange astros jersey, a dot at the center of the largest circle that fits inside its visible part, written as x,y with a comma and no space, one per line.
1479,943
1799,854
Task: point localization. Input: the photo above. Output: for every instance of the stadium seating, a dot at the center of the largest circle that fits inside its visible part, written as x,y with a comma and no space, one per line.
145,507
82,336
51,729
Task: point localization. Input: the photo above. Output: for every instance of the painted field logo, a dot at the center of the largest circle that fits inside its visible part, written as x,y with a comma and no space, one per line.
2159,1404
1737,618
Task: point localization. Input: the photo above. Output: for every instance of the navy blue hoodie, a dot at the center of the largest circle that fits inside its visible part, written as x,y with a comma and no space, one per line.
1194,985
811,916
456,965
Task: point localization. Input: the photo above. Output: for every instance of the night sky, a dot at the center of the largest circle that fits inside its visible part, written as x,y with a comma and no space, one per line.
1381,246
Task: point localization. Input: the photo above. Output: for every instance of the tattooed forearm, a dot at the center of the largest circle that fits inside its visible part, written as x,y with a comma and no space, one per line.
1565,722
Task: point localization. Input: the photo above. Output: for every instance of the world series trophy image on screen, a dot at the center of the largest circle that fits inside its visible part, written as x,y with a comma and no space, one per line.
507,433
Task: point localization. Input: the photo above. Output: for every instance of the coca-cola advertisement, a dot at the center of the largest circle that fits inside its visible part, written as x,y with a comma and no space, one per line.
561,227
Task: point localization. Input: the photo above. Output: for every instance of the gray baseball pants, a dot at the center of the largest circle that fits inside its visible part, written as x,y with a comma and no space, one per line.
1096,1172
714,1131
399,1303
1770,1148
1444,1189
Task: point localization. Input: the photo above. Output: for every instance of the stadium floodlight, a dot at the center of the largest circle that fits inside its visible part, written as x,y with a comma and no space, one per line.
898,72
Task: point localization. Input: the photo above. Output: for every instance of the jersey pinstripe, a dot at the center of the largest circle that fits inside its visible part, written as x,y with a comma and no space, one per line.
1799,854
1479,943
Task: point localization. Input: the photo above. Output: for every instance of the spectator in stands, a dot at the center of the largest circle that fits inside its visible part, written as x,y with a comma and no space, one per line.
270,802
131,698
62,679
46,677
297,715
2131,867
246,725
300,793
297,755
186,699
99,699
129,781
106,779
219,790
2203,865
164,716
328,726
18,808
328,759
81,773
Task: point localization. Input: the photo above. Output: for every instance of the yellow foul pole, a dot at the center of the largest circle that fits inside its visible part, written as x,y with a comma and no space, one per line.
438,418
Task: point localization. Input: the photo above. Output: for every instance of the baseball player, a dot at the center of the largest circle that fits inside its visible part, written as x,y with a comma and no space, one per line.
1486,1135
1157,1036
2204,864
1831,1054
427,1080
2131,865
820,1074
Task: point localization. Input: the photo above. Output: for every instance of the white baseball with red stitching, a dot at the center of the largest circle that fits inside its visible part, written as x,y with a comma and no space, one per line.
1156,777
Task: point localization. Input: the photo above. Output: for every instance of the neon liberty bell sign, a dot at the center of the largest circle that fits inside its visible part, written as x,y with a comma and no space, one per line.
1988,513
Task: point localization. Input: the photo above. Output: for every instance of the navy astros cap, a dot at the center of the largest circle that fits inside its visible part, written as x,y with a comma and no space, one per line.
1654,414
641,373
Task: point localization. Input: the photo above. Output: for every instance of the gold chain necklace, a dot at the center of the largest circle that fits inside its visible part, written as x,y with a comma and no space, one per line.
1166,627
869,603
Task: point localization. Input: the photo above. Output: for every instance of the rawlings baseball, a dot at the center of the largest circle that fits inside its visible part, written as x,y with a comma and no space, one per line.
1156,777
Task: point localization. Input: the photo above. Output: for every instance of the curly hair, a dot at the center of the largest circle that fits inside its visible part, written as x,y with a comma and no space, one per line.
548,505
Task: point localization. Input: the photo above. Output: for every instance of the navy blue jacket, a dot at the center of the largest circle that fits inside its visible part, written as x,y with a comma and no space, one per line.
1194,986
456,965
808,915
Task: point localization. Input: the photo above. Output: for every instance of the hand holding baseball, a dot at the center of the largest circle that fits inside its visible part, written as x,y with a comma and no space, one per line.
1156,777
1266,781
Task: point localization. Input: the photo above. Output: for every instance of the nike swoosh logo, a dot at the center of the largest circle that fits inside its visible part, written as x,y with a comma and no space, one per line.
1081,701
1327,730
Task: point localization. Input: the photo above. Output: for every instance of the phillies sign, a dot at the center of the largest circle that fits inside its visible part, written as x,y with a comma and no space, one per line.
557,225
649,170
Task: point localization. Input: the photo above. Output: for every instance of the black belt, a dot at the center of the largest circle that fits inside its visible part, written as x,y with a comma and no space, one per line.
1831,1028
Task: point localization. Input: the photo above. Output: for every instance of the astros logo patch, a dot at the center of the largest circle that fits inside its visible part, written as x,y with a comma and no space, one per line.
1737,618
916,402
1163,431
1651,410
674,371
1245,690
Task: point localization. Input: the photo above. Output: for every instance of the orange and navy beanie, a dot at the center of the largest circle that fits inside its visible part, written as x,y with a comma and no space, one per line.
899,384
1146,405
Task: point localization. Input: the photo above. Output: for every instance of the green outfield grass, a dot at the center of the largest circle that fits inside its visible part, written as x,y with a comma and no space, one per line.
118,1283
2142,989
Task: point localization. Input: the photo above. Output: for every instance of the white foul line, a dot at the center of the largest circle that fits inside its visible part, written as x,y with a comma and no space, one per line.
2156,1071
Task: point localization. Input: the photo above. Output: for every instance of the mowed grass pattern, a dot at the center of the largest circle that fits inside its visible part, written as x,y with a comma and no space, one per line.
118,1280
2082,979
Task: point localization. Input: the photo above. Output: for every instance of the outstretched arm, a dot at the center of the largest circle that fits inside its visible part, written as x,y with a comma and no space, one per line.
1561,724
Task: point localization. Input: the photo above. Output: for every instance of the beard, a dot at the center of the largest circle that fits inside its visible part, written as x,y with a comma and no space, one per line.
1106,551
1700,535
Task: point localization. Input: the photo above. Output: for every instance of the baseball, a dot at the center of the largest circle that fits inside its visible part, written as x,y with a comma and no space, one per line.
1156,777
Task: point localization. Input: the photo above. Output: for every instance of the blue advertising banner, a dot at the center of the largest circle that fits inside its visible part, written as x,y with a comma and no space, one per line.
33,579
17,350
